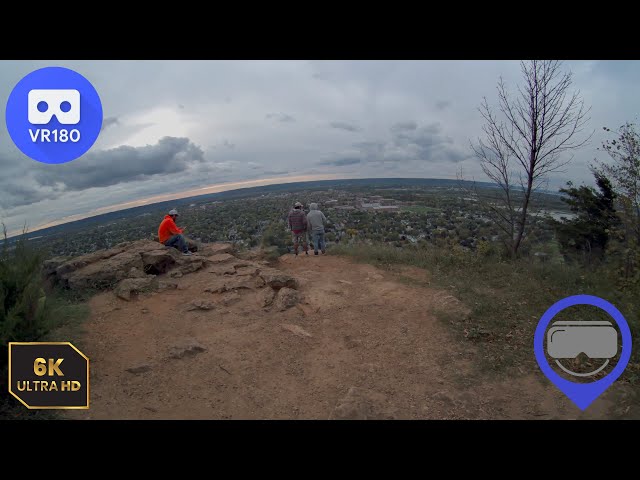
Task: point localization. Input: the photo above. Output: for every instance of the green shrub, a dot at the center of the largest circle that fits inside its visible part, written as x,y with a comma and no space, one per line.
23,313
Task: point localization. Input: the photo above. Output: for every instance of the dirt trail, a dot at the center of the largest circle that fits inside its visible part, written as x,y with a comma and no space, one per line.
362,344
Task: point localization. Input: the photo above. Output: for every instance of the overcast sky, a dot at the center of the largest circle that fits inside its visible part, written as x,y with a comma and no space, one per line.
173,126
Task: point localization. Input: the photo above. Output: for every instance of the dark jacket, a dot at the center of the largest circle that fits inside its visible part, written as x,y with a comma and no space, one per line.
297,220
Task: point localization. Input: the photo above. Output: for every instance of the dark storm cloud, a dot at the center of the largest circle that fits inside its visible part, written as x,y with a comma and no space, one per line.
280,117
345,126
14,194
109,121
123,164
341,162
442,104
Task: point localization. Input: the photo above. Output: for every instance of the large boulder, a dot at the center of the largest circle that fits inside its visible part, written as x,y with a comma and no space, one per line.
50,266
188,265
157,262
266,297
104,268
286,298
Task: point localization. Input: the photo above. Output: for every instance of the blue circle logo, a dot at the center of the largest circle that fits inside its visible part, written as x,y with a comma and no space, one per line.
54,115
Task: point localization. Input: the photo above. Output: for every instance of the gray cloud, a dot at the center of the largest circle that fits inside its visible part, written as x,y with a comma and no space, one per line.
407,142
426,143
442,104
25,193
123,165
280,117
345,126
341,162
404,126
109,121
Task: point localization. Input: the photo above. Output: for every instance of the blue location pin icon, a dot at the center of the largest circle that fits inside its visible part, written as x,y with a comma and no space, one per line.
573,337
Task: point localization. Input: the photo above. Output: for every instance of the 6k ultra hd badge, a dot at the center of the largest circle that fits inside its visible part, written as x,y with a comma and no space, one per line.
54,115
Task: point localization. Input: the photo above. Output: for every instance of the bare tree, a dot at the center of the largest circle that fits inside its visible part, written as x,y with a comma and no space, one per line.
527,138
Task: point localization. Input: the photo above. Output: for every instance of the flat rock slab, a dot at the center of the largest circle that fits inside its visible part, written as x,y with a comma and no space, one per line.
145,367
201,305
230,284
187,348
223,270
296,330
248,270
130,285
216,248
230,298
221,258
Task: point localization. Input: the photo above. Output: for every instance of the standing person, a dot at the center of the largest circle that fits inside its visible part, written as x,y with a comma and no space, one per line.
170,235
297,221
315,224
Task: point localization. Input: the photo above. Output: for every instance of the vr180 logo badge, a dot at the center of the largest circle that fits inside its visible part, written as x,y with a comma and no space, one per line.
53,375
54,115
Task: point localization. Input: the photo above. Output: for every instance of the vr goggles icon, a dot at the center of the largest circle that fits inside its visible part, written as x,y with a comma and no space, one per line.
570,338
44,104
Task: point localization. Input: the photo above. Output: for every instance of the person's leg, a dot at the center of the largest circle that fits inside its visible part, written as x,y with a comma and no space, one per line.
192,245
321,242
306,242
177,241
316,242
295,237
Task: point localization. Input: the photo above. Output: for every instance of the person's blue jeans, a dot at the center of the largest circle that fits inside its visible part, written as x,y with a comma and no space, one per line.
318,241
177,241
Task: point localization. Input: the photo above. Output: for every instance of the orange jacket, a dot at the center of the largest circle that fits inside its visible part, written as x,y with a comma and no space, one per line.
167,229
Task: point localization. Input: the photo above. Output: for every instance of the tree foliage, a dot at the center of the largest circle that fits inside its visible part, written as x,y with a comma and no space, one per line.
588,233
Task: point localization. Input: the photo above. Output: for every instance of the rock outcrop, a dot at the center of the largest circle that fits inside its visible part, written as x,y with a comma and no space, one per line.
106,268
145,266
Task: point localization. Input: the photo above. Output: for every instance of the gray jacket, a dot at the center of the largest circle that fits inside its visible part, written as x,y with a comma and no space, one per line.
315,219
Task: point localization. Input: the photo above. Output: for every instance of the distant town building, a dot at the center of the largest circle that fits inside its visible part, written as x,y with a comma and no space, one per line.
387,208
371,206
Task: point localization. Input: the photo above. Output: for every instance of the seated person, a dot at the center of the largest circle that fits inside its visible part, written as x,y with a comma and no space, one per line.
170,235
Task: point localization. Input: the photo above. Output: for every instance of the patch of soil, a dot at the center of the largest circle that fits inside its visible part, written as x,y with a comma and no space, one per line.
361,344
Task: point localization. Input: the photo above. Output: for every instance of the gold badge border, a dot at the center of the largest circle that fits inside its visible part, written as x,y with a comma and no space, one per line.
83,407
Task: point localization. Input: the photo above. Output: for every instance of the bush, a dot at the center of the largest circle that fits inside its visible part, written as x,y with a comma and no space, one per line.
23,315
276,236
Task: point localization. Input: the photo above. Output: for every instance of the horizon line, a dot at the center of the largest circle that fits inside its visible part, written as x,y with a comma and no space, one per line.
215,188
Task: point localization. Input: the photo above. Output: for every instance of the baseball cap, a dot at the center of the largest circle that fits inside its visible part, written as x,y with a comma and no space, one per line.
297,204
173,212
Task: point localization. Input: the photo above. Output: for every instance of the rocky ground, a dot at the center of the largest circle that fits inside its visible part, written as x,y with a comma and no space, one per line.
215,336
